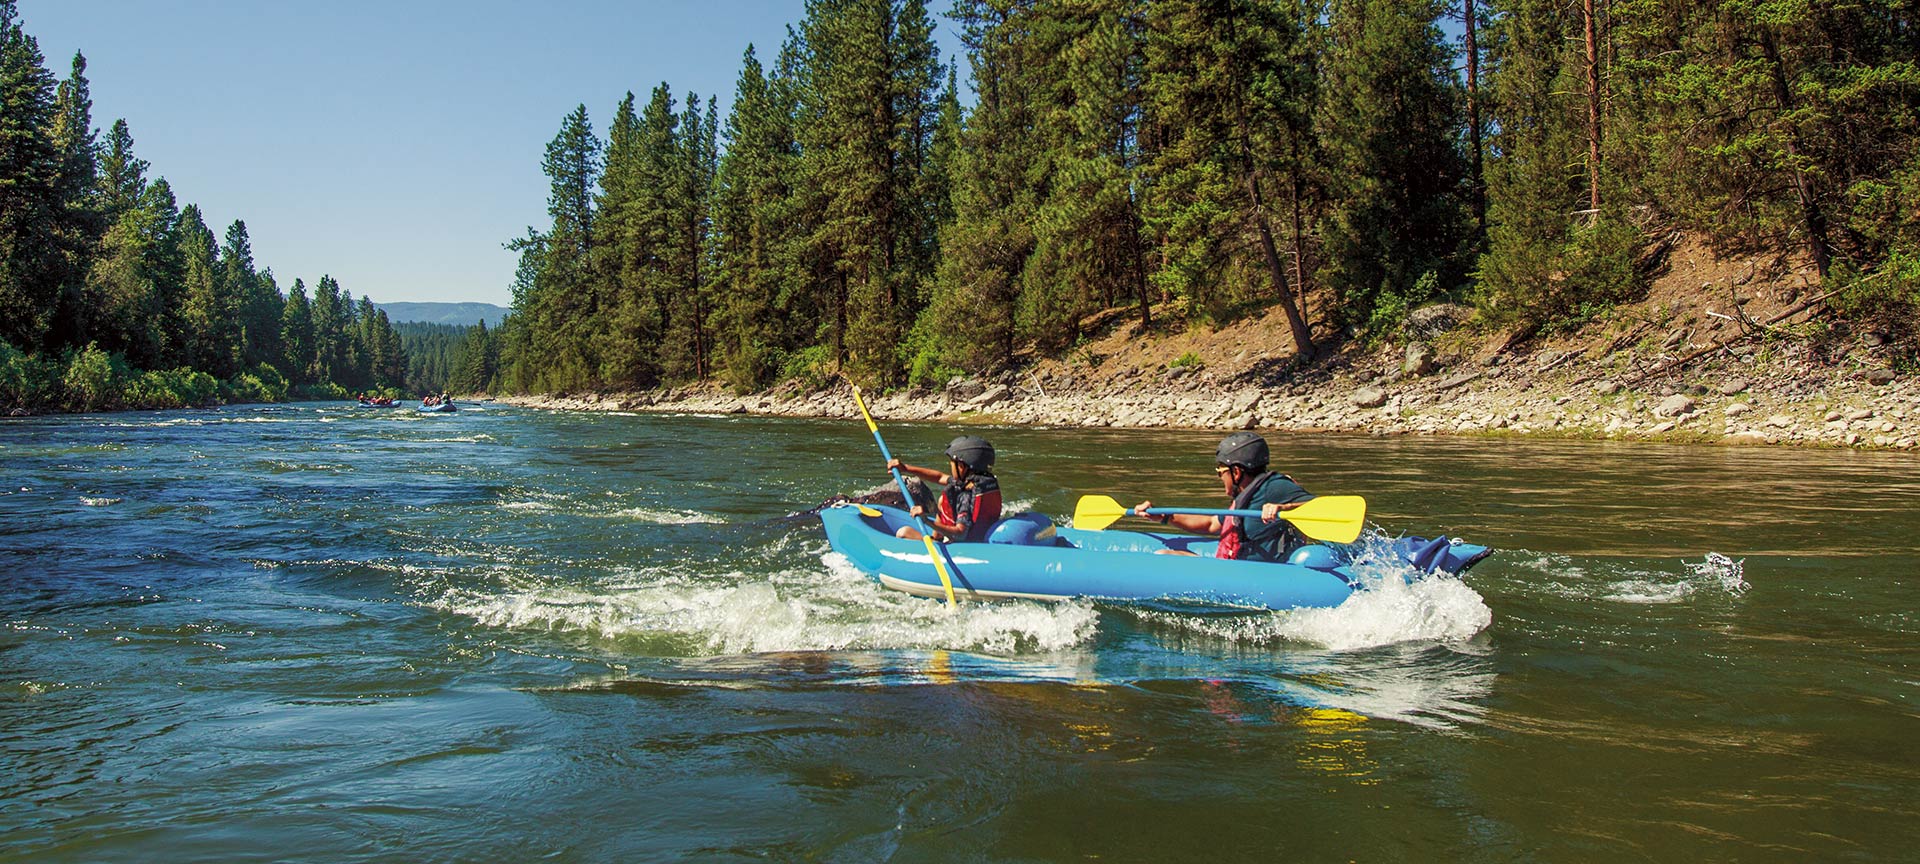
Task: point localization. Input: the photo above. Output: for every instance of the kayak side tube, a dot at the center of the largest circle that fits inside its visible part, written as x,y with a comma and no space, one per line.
1100,565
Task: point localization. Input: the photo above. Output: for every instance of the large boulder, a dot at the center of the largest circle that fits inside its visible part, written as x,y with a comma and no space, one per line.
996,393
964,389
1430,321
1369,397
1419,359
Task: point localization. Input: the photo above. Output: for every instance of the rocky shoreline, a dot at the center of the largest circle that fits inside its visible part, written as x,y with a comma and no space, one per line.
1741,396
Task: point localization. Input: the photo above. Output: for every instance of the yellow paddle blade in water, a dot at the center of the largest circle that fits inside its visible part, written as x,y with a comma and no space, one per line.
1333,518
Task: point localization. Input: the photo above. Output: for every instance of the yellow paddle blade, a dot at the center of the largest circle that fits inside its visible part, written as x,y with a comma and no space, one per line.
1094,512
864,414
866,511
1333,518
946,582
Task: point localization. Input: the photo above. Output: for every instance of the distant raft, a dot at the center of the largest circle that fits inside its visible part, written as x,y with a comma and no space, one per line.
1027,557
442,408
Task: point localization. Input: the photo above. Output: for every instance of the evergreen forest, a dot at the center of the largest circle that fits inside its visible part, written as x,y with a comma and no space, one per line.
1190,162
113,295
867,207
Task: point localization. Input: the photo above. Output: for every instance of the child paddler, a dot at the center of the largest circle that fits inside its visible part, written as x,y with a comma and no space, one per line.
1241,464
970,503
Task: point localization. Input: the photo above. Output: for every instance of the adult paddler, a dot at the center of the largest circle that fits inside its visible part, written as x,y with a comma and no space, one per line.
1241,464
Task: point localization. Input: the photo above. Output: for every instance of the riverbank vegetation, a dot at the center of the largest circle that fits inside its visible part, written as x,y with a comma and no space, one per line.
112,295
1328,166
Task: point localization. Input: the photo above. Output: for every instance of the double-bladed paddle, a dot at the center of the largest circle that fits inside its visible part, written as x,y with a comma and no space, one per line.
1333,518
933,549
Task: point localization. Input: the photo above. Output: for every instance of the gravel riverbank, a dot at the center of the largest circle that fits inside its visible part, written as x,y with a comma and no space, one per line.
1740,398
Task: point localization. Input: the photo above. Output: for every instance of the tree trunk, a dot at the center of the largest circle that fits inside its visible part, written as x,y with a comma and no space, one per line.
840,319
1814,217
1302,339
1138,271
1473,121
1593,108
1299,251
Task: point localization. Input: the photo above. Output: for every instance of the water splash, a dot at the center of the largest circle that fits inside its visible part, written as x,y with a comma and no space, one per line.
1728,573
1626,584
668,516
789,610
1393,603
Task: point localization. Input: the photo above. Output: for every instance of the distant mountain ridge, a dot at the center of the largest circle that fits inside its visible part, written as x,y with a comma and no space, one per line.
461,314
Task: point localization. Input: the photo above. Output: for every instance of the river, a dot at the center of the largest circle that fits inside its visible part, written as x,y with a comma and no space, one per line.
320,632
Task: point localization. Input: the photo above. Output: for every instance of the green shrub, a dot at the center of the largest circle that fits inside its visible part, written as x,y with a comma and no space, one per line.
1187,359
928,362
93,379
330,390
1889,297
813,365
27,381
262,383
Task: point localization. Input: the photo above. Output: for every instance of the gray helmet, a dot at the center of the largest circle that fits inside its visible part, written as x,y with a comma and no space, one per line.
972,451
1244,449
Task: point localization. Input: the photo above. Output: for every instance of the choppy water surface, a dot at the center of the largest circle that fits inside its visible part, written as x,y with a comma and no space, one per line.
328,633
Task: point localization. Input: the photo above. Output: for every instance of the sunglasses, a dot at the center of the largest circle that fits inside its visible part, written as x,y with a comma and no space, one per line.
1221,469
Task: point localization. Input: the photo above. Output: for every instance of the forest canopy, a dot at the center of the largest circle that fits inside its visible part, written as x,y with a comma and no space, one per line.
1194,161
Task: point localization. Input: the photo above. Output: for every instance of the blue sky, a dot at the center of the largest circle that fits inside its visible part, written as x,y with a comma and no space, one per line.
394,145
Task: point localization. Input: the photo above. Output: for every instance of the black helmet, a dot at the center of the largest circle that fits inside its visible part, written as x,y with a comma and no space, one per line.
1244,449
972,451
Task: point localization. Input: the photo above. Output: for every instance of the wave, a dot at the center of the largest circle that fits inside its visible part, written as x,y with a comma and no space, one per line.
790,610
1715,575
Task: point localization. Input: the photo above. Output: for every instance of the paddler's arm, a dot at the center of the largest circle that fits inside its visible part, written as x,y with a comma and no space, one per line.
943,530
927,474
1189,522
1271,510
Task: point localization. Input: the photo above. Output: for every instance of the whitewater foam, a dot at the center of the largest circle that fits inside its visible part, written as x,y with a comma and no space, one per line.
1716,574
790,610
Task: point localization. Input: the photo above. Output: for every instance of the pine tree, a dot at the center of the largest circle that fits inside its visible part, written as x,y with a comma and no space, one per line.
122,176
79,226
297,335
1390,126
1538,183
1224,89
559,350
258,300
211,312
626,329
984,249
870,74
1087,251
331,318
30,205
756,327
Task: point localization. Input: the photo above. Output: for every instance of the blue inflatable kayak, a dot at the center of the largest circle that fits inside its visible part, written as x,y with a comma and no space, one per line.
1027,557
441,408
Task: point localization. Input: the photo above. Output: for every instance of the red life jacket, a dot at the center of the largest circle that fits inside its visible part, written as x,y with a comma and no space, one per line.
1230,533
1229,547
978,500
